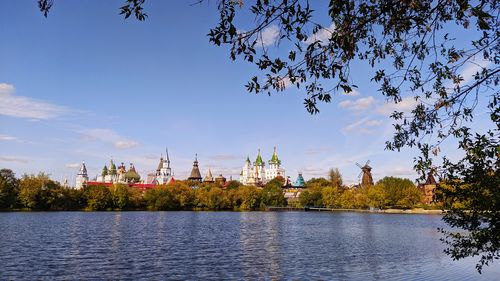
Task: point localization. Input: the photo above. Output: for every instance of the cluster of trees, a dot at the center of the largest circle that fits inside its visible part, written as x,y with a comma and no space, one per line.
39,192
389,192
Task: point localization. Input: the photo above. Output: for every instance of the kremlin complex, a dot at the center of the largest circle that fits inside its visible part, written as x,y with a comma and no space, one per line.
253,174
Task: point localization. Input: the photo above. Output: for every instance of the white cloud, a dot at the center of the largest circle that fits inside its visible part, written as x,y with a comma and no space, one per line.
314,171
25,107
322,35
13,159
126,144
7,138
471,69
268,36
398,171
353,93
406,105
6,89
318,150
357,105
364,126
109,136
72,165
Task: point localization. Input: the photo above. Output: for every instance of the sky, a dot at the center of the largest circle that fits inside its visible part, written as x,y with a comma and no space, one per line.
85,85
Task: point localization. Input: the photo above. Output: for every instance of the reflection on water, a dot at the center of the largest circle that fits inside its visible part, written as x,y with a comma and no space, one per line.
226,245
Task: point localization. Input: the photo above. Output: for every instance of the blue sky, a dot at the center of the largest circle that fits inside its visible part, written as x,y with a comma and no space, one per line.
83,84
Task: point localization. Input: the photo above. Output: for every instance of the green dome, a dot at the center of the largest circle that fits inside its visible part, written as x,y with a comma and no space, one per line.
132,176
259,161
274,159
112,168
104,171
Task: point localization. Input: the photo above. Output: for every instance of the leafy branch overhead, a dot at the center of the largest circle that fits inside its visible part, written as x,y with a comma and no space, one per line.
131,7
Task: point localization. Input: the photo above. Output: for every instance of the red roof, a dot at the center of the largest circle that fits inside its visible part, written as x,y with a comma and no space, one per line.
108,184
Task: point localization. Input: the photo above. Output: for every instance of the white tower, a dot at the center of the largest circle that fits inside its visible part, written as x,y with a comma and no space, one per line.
246,172
164,173
275,168
260,169
82,177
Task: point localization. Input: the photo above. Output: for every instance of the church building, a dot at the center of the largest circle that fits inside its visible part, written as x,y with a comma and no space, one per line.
81,178
163,172
257,174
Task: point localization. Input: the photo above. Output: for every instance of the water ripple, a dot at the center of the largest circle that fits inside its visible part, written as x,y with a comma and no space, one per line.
226,245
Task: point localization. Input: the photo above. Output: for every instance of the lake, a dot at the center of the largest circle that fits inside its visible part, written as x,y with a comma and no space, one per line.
227,245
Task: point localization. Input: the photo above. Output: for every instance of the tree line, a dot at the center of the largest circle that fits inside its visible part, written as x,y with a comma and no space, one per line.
39,192
389,192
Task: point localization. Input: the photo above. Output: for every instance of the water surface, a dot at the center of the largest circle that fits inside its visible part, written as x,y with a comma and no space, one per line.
227,245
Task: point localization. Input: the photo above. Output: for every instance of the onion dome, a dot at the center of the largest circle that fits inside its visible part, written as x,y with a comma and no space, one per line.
104,171
195,172
259,161
274,158
112,168
132,175
300,181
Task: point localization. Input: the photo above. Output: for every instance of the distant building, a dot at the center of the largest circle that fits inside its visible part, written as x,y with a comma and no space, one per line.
163,171
195,171
300,181
120,175
257,174
429,188
82,178
220,180
208,178
292,191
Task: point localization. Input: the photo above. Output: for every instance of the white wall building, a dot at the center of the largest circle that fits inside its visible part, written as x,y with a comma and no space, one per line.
81,178
258,174
163,172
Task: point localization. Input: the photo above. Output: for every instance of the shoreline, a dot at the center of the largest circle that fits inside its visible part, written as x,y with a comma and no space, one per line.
419,211
416,211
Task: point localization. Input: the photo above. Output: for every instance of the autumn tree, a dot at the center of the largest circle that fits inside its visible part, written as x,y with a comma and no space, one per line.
35,191
98,198
272,193
398,192
9,188
335,178
119,196
330,197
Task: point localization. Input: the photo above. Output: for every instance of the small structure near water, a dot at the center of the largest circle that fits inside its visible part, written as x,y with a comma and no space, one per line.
428,188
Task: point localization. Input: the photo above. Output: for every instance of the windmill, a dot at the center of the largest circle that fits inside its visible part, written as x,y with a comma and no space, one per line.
365,174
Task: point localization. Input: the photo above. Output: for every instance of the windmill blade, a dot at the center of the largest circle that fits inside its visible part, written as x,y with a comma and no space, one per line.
357,164
367,162
361,173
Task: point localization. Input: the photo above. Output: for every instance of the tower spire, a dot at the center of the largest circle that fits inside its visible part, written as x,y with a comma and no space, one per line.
195,172
168,158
